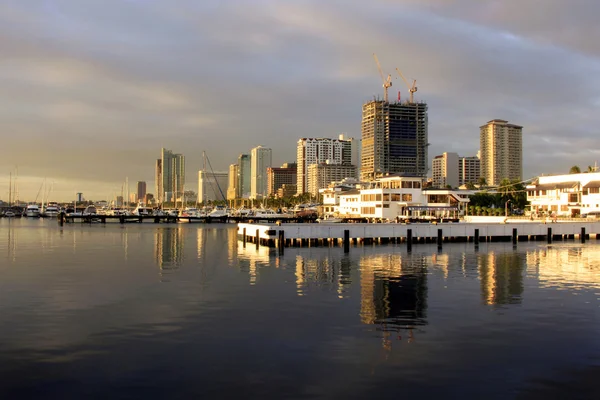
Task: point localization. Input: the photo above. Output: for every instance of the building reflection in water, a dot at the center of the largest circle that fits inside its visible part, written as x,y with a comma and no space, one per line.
565,268
252,259
168,248
501,277
393,291
323,270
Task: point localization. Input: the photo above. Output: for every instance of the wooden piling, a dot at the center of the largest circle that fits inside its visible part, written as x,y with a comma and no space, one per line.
549,235
346,240
515,236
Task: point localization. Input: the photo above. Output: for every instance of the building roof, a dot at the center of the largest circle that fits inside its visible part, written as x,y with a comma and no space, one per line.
593,184
557,185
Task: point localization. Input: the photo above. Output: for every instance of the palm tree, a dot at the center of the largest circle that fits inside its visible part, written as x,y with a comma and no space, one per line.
575,170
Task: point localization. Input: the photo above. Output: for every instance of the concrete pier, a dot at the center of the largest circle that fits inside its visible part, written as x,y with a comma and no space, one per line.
367,234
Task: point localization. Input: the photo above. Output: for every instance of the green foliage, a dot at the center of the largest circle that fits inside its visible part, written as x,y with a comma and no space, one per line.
575,170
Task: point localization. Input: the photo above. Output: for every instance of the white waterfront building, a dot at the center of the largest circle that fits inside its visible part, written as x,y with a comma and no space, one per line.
565,195
393,197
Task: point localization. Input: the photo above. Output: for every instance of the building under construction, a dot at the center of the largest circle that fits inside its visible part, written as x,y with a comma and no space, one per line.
394,139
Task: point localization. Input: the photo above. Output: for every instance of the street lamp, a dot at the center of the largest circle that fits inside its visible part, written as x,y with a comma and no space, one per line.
506,208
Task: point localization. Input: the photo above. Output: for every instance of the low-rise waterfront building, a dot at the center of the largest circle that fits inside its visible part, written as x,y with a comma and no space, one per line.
565,195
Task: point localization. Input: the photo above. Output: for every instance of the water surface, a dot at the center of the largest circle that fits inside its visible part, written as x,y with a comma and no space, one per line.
186,311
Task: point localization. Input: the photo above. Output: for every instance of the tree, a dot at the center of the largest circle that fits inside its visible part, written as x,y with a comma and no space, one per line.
470,185
575,170
482,182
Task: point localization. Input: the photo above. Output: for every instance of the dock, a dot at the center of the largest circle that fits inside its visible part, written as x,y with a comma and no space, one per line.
342,234
103,219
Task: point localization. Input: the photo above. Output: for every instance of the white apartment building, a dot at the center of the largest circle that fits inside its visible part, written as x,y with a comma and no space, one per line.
501,147
565,195
310,151
321,176
444,170
451,169
260,160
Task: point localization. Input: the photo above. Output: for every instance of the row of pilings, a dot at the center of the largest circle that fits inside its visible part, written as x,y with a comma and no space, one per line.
277,239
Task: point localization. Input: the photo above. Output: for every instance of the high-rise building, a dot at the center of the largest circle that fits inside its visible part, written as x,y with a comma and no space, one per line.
244,175
321,175
233,189
451,169
277,177
170,176
212,186
310,151
501,147
260,160
394,139
141,191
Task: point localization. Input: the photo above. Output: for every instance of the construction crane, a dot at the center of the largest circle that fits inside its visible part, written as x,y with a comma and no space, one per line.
386,82
412,89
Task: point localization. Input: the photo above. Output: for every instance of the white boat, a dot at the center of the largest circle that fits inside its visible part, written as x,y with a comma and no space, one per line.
33,211
243,212
329,219
218,212
52,210
141,211
116,211
190,212
10,214
268,213
90,210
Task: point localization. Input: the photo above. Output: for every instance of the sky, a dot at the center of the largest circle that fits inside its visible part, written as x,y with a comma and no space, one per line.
91,90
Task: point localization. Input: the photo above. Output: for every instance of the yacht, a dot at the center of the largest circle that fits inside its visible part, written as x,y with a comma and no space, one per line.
33,211
190,212
268,213
52,210
218,212
141,210
10,214
90,210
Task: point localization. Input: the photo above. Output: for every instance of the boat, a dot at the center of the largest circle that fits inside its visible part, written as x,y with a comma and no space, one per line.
329,219
141,211
10,214
190,212
268,213
218,212
32,211
52,210
90,210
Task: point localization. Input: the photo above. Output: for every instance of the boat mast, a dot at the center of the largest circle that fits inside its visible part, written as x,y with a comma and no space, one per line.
10,190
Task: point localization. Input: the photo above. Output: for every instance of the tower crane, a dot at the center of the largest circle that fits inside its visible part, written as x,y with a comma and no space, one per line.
412,89
386,82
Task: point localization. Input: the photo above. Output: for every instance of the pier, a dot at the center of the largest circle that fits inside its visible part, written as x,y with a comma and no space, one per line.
103,219
341,234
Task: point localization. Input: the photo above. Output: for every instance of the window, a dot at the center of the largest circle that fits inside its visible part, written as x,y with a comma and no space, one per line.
406,197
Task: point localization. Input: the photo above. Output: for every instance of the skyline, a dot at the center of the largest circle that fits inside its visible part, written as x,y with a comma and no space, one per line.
128,77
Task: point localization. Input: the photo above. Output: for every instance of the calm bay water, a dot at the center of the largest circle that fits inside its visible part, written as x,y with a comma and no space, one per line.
185,311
